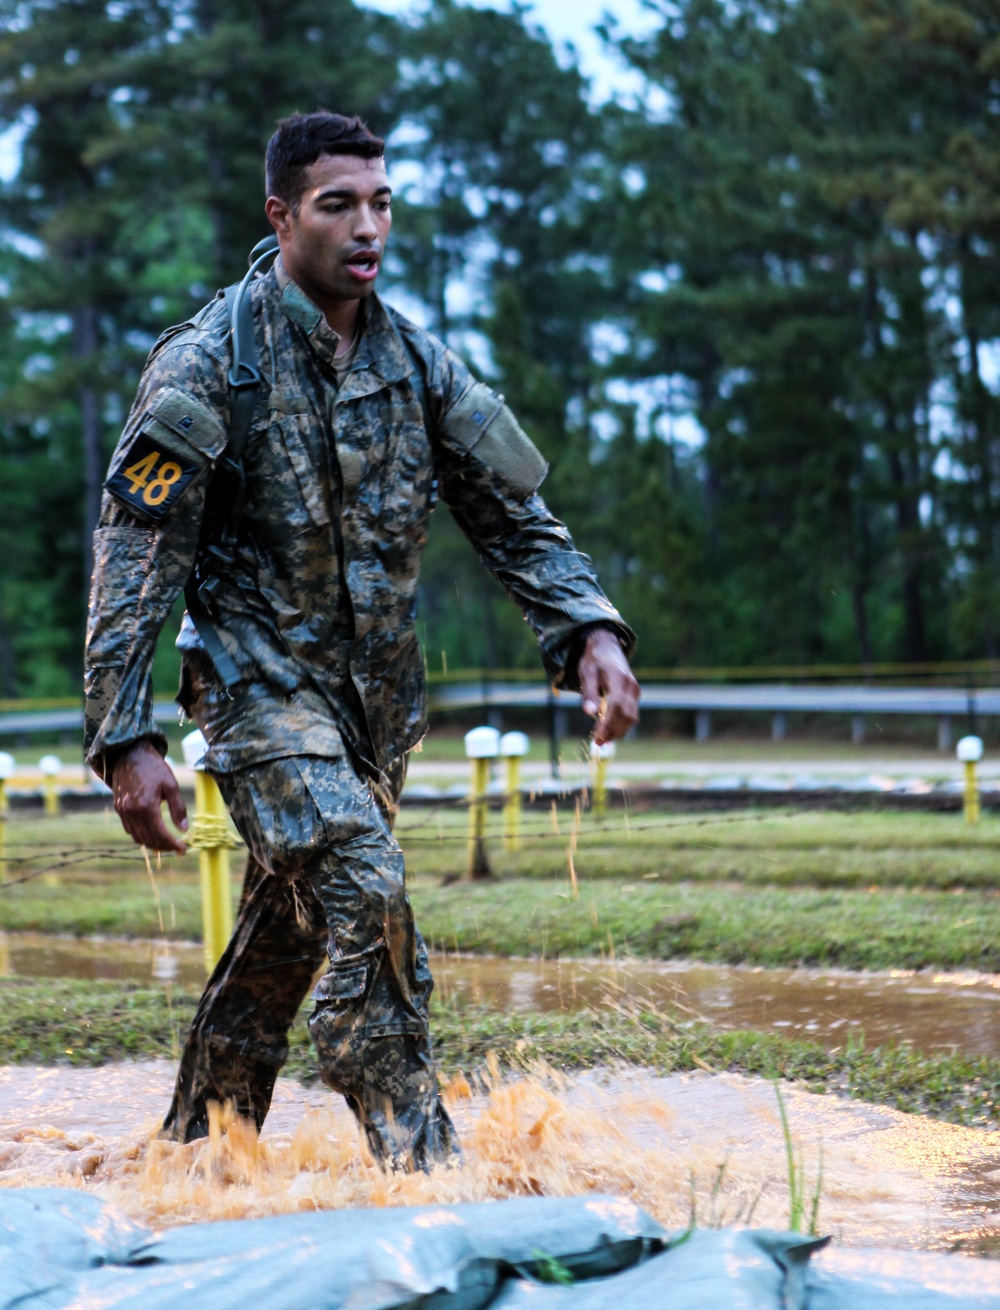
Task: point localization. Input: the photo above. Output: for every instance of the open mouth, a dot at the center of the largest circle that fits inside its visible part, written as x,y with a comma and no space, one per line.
363,265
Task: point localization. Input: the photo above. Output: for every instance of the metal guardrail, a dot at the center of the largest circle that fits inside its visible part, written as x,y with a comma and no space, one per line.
778,699
28,721
769,697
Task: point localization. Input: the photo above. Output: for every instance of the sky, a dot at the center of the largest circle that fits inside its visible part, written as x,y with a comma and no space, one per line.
567,22
571,21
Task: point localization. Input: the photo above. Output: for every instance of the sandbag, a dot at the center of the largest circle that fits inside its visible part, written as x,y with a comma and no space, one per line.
50,1237
729,1269
388,1259
902,1280
67,1250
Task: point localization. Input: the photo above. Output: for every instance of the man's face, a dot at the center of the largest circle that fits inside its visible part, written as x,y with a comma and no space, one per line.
333,246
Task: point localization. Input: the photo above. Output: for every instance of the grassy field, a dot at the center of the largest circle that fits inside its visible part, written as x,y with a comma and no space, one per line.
860,891
857,891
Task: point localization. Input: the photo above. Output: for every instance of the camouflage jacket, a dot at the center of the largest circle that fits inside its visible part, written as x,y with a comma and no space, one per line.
318,611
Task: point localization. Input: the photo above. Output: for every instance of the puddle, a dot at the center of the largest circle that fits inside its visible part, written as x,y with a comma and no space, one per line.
934,1011
888,1179
43,955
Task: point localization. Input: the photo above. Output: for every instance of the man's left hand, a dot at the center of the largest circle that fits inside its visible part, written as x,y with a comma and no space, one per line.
610,691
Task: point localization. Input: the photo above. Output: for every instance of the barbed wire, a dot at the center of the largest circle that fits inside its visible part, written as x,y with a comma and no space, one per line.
581,826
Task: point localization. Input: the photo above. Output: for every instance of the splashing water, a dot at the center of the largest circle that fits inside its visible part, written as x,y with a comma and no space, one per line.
704,1143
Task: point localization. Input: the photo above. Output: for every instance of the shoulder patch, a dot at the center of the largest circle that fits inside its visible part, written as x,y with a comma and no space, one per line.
482,424
187,419
151,478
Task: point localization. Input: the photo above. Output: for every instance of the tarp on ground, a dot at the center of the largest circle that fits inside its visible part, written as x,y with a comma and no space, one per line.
66,1250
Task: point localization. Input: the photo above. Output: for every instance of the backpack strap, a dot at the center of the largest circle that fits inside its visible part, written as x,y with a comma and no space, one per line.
227,490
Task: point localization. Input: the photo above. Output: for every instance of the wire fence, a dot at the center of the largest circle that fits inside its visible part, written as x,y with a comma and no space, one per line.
39,859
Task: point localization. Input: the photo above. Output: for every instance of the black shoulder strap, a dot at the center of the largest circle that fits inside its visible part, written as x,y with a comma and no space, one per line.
244,373
222,521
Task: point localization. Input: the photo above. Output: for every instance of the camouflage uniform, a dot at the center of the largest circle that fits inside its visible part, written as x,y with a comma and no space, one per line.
318,613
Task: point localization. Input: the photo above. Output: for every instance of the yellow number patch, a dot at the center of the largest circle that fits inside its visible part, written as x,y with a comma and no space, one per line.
151,479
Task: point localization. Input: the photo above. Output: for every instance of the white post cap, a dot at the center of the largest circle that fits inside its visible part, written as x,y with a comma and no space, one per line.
50,765
482,743
970,749
6,765
514,743
605,752
194,747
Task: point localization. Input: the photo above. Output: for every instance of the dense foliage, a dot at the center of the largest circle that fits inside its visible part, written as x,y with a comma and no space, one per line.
751,317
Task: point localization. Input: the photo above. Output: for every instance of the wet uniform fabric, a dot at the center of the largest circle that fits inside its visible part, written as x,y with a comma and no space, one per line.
317,610
324,874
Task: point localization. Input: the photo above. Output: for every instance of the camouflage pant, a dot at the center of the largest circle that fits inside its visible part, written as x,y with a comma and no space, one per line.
325,875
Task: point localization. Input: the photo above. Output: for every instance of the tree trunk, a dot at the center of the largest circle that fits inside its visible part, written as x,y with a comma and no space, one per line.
85,344
908,528
7,684
983,509
905,495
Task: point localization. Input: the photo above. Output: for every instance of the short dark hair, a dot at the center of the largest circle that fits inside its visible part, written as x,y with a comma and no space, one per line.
299,141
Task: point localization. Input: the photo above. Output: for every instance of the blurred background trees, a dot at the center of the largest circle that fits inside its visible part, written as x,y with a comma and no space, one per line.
752,318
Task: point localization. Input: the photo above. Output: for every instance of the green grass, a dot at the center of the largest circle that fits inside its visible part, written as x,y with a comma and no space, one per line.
920,850
871,890
652,903
90,1023
735,924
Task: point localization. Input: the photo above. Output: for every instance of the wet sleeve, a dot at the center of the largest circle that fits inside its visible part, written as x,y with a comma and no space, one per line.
489,472
146,540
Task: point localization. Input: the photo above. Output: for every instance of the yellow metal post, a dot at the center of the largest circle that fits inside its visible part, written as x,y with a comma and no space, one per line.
479,865
481,746
3,829
51,766
971,793
513,745
599,756
512,806
211,837
970,752
600,787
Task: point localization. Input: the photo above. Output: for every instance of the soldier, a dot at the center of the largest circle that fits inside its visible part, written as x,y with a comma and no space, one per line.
306,677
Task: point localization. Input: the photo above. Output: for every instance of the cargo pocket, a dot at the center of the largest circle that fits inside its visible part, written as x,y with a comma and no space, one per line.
337,1027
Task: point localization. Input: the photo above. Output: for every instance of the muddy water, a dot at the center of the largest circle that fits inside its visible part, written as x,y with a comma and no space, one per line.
934,1011
44,955
888,1178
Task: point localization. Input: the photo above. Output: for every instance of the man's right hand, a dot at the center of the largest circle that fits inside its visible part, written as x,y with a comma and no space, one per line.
141,780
